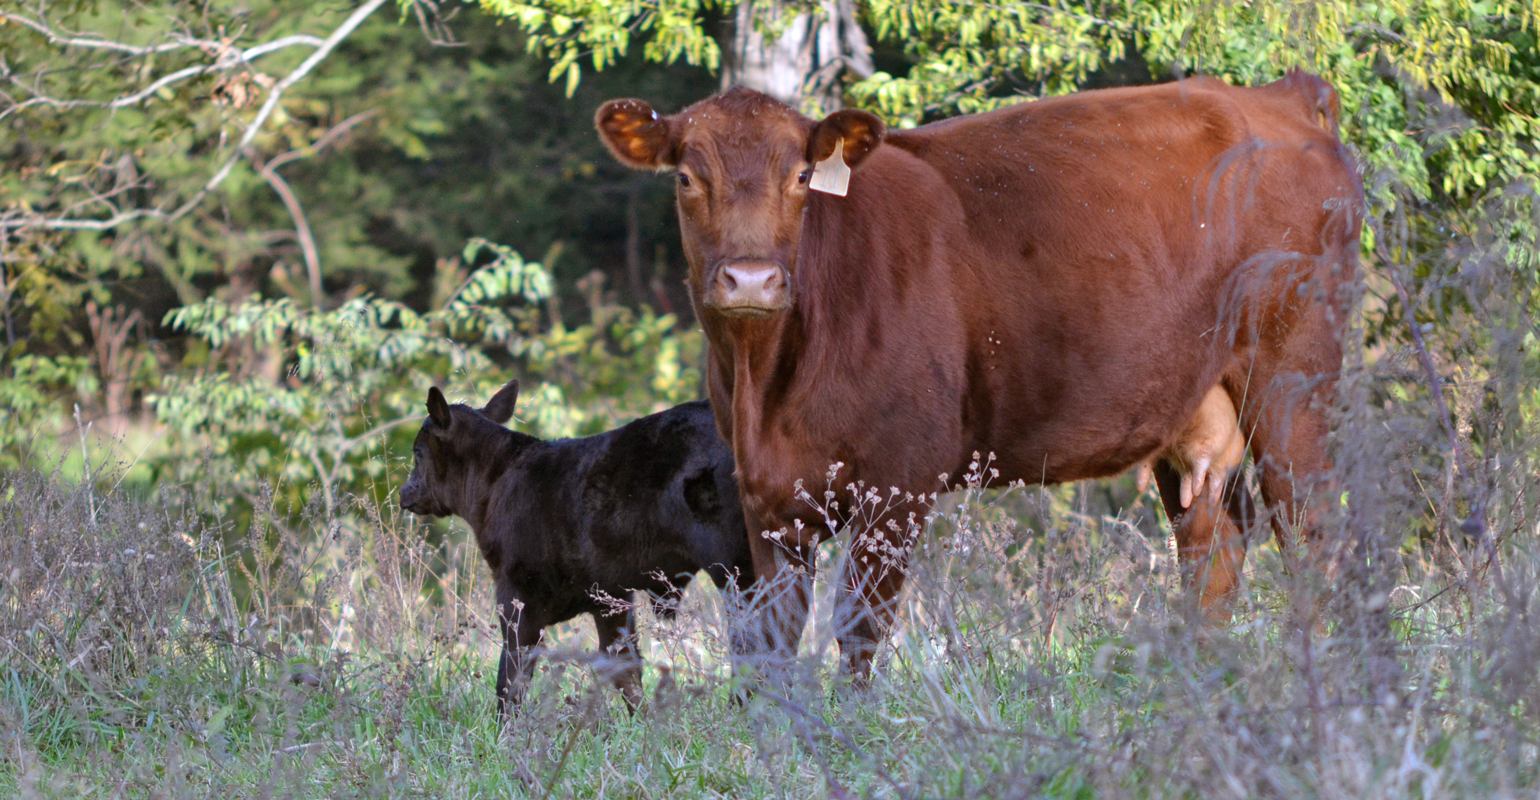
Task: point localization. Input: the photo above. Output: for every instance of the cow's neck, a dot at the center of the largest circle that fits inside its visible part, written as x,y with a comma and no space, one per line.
755,355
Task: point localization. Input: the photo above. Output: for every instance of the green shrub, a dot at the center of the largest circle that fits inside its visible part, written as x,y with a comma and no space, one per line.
293,405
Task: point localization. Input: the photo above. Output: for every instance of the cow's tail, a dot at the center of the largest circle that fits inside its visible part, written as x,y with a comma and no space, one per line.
1320,99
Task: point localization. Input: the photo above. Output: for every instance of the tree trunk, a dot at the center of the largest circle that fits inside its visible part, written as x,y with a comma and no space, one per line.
803,65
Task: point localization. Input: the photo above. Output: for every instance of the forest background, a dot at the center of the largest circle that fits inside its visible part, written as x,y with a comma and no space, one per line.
227,236
238,241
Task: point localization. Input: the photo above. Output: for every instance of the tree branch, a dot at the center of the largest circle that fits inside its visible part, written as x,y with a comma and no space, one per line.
301,230
291,201
95,42
28,219
92,42
276,93
321,143
225,58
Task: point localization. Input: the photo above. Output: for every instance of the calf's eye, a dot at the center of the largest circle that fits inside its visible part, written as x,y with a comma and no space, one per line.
684,180
803,176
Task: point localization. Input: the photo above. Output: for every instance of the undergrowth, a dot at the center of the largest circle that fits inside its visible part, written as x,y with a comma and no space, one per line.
1044,650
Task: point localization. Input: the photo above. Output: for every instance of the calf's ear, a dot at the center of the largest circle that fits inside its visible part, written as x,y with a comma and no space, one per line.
635,133
500,408
860,132
438,408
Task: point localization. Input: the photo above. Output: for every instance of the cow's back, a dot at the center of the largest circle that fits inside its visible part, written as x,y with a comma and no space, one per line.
1103,231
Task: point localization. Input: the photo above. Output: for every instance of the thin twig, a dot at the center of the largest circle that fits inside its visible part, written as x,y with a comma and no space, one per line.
95,43
326,139
296,210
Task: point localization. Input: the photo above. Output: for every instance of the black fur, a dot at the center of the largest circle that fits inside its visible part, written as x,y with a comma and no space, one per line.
564,522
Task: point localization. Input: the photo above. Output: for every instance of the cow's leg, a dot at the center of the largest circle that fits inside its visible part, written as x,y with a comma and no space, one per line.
617,646
1285,400
523,632
1209,545
767,632
866,601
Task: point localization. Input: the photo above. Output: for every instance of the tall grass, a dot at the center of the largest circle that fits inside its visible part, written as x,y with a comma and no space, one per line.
1044,649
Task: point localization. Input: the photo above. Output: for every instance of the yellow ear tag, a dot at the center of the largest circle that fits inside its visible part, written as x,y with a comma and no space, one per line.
831,175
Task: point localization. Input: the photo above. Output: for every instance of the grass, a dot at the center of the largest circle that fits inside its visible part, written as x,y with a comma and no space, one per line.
1044,650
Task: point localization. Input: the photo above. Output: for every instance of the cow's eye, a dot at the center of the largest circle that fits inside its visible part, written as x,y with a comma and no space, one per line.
804,175
684,180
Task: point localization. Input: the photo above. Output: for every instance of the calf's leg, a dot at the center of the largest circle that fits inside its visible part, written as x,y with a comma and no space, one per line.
523,632
618,657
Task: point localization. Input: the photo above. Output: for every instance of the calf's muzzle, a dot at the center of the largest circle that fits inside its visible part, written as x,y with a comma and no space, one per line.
749,287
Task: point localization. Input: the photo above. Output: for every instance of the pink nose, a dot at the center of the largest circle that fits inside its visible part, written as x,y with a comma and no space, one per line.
752,286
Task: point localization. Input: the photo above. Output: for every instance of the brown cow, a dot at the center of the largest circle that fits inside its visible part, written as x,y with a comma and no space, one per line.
1058,283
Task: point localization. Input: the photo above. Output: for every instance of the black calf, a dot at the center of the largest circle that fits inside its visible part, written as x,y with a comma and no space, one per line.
562,523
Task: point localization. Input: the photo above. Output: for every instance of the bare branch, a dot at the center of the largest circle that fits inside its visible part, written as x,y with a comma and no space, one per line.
296,209
94,42
125,100
301,230
321,143
27,219
276,93
226,58
260,50
178,42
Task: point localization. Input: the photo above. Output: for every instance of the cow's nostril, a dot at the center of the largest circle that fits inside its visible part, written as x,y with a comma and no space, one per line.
756,286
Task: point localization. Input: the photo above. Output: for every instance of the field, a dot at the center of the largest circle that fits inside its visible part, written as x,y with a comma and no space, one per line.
1045,649
239,241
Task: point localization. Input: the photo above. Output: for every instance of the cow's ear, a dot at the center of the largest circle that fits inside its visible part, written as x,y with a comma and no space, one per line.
438,409
500,408
635,134
861,132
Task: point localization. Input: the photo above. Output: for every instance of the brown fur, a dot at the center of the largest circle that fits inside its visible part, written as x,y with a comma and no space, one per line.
1058,283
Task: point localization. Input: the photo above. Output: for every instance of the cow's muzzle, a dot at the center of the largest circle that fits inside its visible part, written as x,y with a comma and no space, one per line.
415,500
749,287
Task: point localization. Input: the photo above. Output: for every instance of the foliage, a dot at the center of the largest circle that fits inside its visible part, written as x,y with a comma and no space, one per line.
1397,66
134,130
30,395
398,149
568,30
293,404
1440,97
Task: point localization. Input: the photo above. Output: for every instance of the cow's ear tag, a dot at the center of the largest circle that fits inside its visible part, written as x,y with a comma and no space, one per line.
830,175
